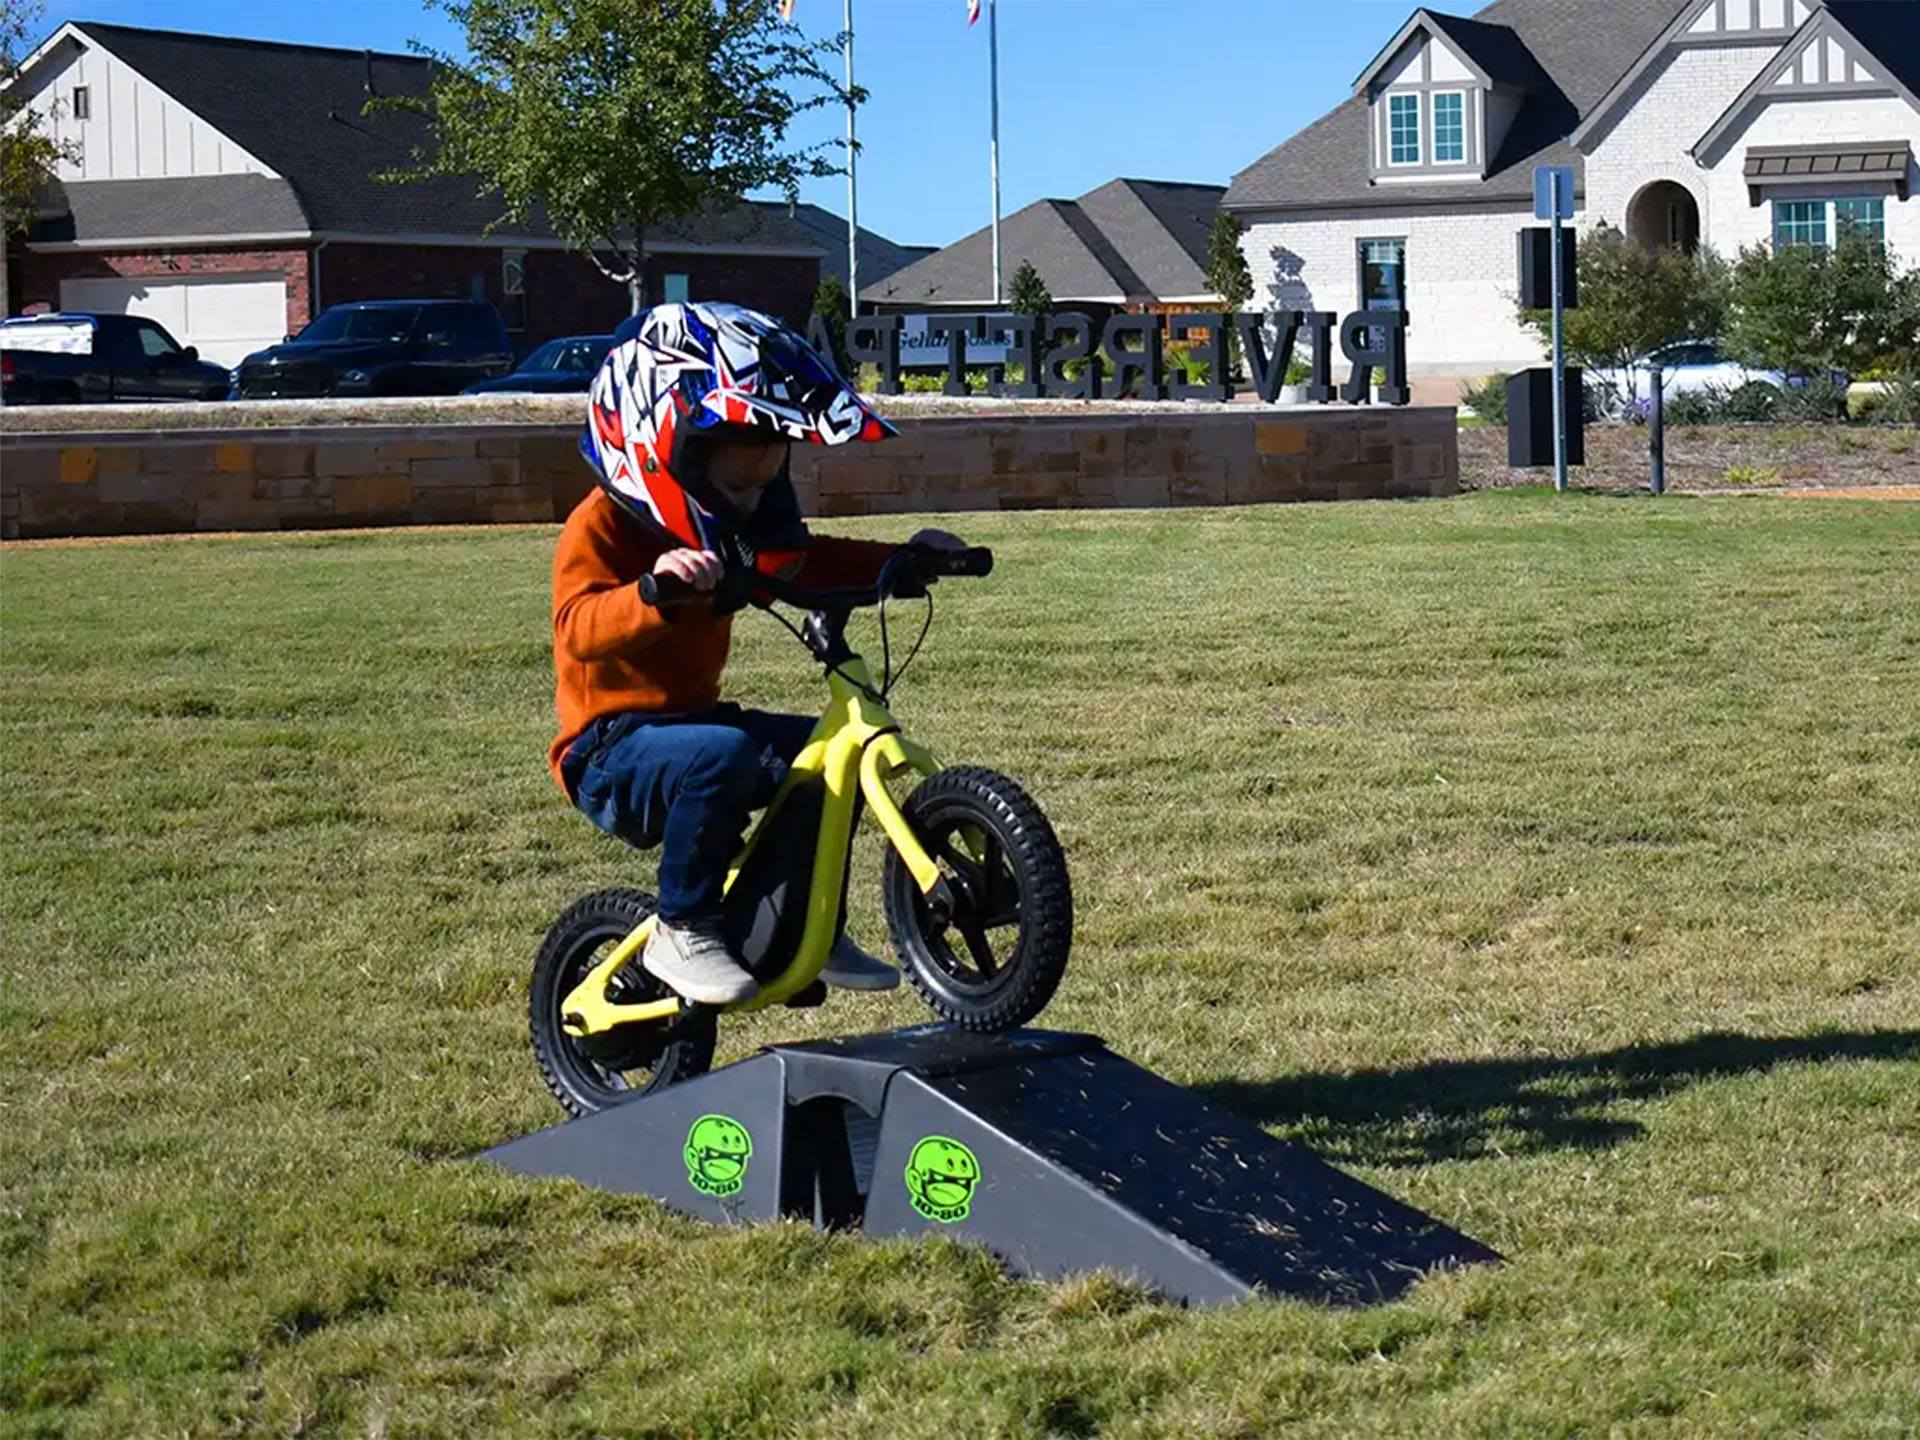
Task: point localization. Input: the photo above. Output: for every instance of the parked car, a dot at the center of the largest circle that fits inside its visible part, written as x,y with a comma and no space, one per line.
74,358
1686,366
557,367
382,347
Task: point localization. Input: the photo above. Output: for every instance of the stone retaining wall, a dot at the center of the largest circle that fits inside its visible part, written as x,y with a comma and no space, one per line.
157,482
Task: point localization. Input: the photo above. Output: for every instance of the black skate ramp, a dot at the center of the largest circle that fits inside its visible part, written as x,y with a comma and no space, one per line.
1052,1151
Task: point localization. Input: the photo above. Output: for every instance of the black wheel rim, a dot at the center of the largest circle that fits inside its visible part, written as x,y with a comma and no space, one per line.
632,1064
976,945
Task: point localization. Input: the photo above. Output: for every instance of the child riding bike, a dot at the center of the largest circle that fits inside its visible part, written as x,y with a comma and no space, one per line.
689,427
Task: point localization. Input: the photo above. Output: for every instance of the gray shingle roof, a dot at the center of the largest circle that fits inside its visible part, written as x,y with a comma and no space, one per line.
879,256
296,108
211,207
1131,240
1580,47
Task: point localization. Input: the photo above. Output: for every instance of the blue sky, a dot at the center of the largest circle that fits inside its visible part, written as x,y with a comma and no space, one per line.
1089,89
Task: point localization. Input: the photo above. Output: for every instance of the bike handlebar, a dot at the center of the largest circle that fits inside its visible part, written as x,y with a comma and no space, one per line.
922,564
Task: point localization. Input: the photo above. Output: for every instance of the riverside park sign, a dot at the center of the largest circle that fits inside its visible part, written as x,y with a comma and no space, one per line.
1134,347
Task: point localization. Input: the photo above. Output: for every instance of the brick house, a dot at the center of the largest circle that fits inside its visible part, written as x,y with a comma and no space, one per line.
1725,123
226,188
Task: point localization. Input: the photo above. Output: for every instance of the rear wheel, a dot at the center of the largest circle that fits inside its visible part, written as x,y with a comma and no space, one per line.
994,961
589,1075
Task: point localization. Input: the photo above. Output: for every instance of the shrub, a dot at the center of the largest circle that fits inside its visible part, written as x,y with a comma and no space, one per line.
1821,400
1898,404
1752,475
1704,406
1487,399
1755,402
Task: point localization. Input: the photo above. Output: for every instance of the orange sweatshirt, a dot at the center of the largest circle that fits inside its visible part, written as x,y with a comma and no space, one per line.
613,652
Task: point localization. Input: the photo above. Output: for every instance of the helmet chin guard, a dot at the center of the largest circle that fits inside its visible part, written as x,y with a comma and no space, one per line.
681,377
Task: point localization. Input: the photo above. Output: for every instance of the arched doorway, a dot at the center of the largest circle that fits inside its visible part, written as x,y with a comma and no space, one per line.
1665,216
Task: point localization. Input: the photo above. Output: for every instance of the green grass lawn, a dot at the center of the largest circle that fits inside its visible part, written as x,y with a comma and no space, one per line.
1554,865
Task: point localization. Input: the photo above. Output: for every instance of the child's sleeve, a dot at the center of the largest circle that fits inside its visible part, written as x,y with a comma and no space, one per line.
597,609
831,563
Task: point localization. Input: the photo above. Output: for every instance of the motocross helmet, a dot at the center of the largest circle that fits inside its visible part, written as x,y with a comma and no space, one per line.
681,377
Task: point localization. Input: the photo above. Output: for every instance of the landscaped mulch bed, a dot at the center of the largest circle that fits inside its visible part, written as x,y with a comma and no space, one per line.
1716,457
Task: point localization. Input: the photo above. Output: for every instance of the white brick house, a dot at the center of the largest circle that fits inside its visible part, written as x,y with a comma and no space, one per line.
1687,122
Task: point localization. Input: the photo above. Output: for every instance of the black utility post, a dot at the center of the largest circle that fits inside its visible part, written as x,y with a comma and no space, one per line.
1657,430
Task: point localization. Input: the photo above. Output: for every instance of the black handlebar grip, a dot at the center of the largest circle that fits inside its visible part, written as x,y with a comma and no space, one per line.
976,560
663,592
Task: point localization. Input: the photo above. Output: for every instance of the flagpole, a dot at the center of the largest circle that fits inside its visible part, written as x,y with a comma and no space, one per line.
853,196
993,76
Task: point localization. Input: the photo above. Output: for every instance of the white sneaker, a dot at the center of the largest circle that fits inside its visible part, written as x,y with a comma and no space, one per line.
695,962
852,968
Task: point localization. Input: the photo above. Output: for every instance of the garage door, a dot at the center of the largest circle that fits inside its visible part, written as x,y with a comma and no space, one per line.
227,316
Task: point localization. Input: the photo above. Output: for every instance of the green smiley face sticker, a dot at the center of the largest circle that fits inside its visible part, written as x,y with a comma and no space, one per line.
941,1176
718,1148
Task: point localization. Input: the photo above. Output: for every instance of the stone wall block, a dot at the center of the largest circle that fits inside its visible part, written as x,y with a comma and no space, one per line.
447,506
278,459
450,448
78,465
159,459
370,497
1203,482
461,473
1276,478
24,468
119,461
133,489
1102,450
353,457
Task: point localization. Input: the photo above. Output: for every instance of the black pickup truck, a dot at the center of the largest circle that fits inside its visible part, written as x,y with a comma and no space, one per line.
72,358
382,347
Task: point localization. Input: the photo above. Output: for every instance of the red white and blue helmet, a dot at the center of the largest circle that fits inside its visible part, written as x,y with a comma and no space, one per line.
679,375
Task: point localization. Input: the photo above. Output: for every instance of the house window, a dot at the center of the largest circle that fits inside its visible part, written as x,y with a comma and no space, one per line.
1383,274
675,291
82,103
1449,127
1867,215
513,289
1808,222
1799,222
1403,129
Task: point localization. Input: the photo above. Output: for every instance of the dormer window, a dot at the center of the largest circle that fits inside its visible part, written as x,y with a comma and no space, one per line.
1450,127
1403,120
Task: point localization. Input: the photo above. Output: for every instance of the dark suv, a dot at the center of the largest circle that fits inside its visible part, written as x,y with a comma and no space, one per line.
382,347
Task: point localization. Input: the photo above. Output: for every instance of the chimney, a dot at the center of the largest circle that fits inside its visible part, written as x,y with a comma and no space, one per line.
370,90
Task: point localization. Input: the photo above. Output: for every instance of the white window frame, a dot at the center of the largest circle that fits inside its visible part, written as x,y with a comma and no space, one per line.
81,101
1419,132
1434,108
1830,208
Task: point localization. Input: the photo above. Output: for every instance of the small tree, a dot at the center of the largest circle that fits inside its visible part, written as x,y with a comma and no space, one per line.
610,116
1030,296
1633,300
1805,309
28,154
830,309
1228,276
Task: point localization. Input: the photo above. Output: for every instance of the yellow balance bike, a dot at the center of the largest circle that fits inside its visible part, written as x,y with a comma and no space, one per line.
978,902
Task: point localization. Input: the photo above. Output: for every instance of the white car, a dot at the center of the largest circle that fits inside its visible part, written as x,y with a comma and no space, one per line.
1687,365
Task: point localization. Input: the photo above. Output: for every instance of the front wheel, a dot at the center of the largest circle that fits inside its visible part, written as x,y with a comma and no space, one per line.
590,1075
994,962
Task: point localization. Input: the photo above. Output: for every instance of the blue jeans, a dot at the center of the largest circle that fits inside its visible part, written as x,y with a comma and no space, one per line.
684,782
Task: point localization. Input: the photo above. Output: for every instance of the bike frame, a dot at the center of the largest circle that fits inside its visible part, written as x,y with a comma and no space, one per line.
855,749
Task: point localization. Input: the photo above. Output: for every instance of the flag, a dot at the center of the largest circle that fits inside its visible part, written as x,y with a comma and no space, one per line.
786,10
973,12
